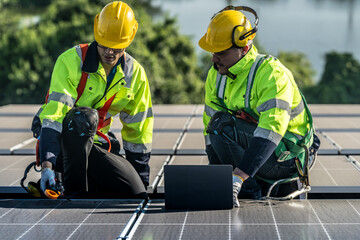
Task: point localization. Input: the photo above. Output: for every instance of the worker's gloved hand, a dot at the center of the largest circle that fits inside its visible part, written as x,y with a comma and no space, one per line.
237,183
47,179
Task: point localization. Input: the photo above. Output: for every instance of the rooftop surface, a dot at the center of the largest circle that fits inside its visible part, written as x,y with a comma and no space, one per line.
332,210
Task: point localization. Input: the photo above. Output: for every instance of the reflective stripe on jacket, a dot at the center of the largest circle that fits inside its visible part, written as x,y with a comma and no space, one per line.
274,97
130,84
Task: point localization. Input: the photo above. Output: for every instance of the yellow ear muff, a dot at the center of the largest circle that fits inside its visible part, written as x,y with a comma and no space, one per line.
238,31
241,33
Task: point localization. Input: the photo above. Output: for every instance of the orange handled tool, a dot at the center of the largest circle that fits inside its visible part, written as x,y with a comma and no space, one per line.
52,194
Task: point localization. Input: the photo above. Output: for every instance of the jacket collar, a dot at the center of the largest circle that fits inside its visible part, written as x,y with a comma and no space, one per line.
244,64
91,62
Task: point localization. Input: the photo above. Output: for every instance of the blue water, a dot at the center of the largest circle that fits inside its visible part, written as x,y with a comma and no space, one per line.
314,27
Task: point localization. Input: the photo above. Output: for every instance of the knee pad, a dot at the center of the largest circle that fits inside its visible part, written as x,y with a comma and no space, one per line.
81,121
219,121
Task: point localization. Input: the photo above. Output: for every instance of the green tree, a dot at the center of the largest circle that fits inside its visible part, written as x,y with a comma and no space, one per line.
25,4
29,52
339,82
170,61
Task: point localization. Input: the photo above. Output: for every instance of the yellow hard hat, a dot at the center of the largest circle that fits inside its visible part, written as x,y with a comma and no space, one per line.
227,28
115,26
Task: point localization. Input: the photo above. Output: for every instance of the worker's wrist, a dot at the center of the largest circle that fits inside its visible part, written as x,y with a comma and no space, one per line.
240,174
46,164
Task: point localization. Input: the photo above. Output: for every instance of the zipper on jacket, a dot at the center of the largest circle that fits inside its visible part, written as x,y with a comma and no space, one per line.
106,89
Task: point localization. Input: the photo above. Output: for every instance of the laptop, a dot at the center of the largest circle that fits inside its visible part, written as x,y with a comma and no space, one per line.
198,186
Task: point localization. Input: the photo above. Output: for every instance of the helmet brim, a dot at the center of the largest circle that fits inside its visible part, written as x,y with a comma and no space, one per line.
211,48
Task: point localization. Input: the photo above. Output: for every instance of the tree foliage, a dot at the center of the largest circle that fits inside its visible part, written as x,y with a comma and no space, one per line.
29,52
170,61
25,4
339,82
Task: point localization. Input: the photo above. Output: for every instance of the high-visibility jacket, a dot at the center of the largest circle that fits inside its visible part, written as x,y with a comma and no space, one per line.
132,100
272,96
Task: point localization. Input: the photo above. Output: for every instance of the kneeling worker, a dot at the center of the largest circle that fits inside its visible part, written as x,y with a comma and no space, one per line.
255,116
75,123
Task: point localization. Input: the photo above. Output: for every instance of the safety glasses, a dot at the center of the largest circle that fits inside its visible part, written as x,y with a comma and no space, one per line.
222,53
111,49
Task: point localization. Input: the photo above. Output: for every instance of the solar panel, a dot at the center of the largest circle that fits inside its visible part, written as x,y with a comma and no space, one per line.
296,219
334,171
178,139
319,110
327,146
348,142
47,219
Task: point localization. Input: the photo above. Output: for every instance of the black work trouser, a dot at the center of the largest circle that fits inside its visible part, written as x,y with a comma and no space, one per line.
228,150
90,169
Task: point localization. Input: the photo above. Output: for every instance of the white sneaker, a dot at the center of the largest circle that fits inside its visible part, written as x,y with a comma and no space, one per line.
237,182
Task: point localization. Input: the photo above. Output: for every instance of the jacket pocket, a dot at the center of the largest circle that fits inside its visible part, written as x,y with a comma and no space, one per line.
91,86
122,98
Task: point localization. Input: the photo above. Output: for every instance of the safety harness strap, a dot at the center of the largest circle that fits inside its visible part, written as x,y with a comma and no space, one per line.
290,146
102,122
258,61
84,75
103,111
